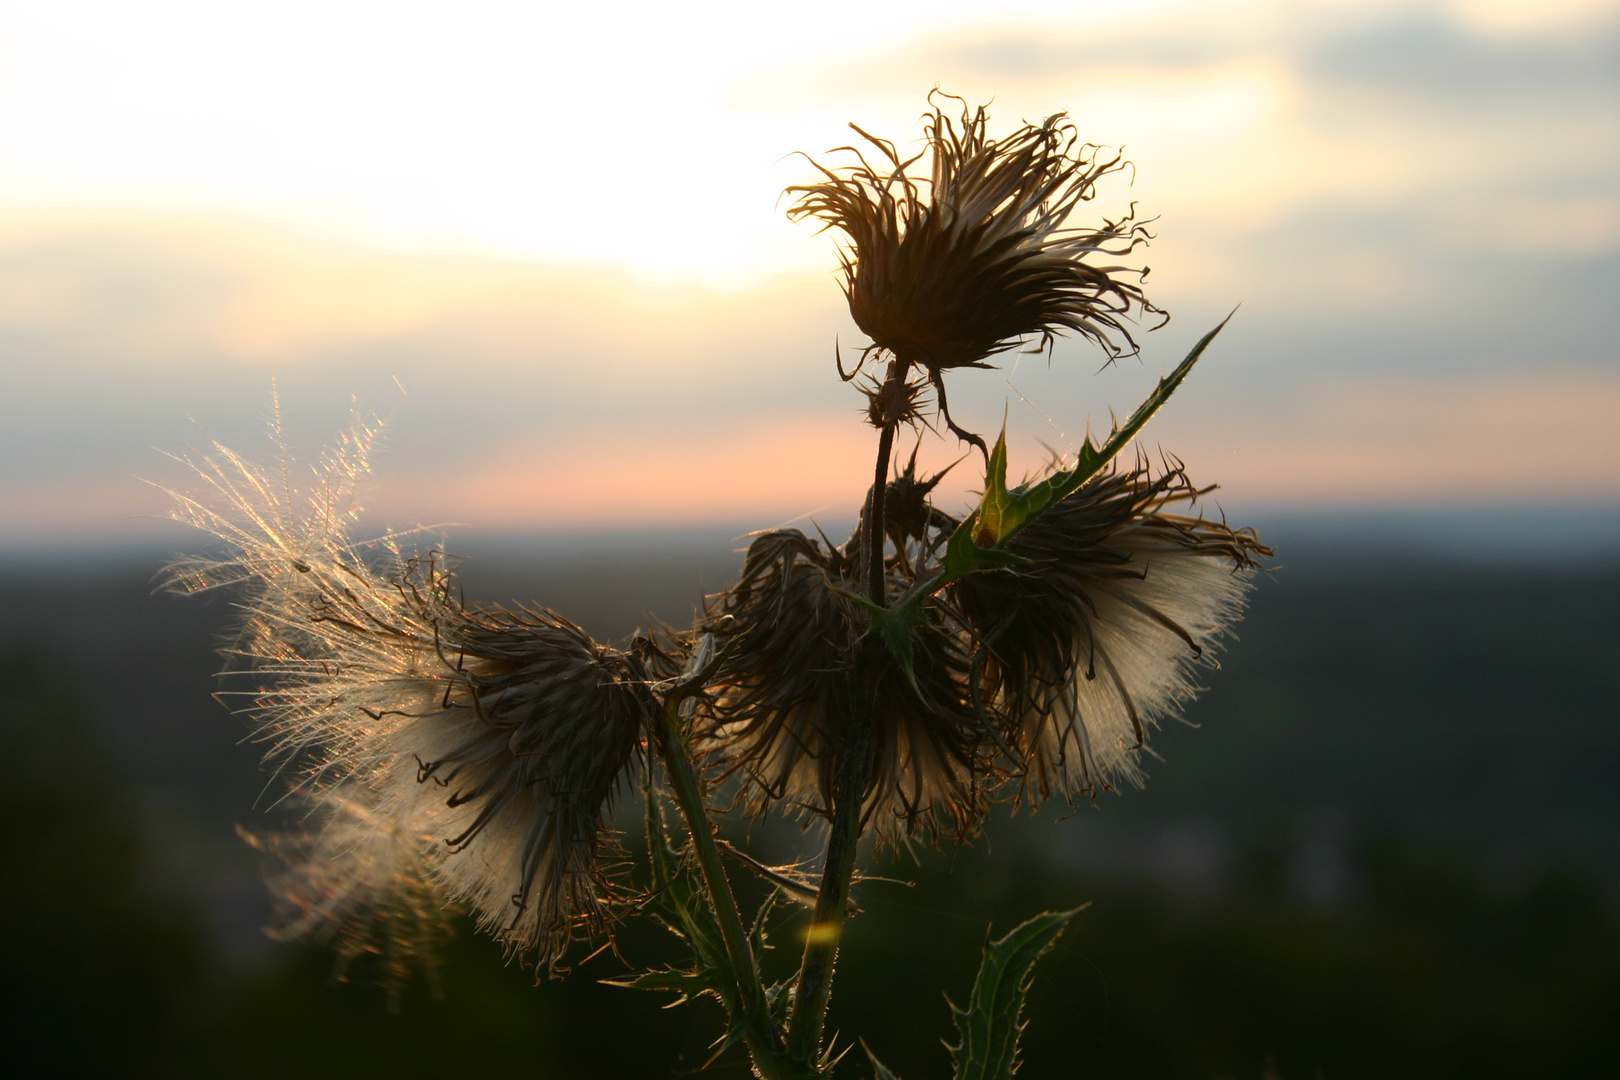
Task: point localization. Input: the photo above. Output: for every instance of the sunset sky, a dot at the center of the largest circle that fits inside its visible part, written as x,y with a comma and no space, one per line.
548,243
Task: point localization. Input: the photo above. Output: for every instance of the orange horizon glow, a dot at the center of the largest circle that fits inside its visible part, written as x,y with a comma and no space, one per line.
581,271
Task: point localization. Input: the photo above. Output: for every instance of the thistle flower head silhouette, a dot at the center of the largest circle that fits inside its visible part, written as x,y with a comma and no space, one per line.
911,521
501,734
781,712
1097,635
946,271
1050,674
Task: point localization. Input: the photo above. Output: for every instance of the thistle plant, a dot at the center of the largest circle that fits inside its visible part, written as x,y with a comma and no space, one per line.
452,757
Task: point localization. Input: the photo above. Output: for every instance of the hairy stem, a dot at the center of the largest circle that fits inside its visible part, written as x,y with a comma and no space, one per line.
827,921
764,1042
874,535
838,864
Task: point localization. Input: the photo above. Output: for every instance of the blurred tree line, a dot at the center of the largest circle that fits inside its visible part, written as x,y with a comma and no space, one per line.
1430,974
1447,716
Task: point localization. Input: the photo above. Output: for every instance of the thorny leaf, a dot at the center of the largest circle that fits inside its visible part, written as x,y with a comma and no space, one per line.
1002,514
895,626
676,900
963,554
1000,511
682,905
988,1029
756,933
980,541
779,997
880,1071
688,983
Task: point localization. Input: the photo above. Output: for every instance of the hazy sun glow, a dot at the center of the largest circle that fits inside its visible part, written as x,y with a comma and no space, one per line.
559,226
607,133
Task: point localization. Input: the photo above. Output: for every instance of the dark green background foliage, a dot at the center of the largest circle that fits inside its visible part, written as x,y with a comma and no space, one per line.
1392,849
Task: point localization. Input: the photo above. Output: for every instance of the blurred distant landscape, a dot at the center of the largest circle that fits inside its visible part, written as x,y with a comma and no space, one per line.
1386,845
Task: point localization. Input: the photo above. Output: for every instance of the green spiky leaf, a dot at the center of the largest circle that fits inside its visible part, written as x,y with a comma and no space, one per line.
1000,511
989,1028
879,1070
779,999
895,625
677,900
963,554
980,542
687,982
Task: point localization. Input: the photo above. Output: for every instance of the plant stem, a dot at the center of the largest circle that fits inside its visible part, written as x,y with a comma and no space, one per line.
764,1042
827,921
875,533
838,864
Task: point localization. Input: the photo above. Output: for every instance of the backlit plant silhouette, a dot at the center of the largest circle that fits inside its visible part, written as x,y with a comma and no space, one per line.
465,758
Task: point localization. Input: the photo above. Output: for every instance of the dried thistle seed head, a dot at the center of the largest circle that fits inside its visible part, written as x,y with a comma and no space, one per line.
1097,639
793,633
932,768
785,698
949,270
361,882
503,734
522,755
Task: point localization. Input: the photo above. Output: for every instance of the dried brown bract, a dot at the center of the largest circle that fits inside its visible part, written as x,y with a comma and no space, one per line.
532,738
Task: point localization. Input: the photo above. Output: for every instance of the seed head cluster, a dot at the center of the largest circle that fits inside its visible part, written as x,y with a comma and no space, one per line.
1041,679
785,697
462,757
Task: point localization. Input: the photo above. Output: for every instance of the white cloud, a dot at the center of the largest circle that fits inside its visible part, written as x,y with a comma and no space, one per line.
566,271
